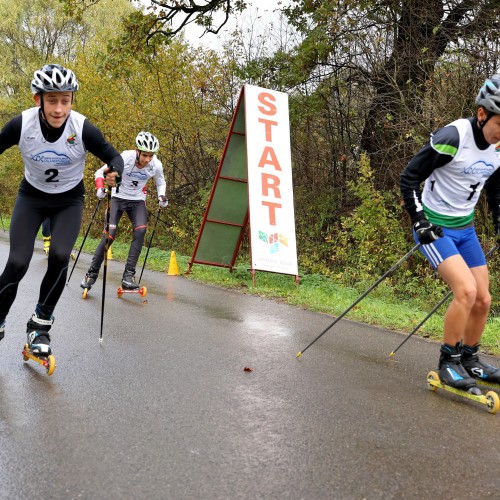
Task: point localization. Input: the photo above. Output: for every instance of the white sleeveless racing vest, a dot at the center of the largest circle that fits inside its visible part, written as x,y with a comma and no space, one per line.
52,167
453,190
133,184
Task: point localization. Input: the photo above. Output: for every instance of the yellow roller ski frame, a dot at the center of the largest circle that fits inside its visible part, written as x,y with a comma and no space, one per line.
490,399
49,362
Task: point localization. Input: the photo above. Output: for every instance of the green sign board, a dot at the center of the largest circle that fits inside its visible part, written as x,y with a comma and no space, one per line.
226,216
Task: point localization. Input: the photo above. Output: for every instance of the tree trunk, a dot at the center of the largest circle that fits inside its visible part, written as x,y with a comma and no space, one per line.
421,37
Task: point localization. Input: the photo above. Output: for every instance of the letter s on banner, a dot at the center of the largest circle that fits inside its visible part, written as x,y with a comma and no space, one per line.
263,96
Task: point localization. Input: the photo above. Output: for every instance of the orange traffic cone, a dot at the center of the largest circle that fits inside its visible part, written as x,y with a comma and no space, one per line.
173,269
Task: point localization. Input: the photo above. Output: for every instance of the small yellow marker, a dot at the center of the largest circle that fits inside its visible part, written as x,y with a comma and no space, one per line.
173,268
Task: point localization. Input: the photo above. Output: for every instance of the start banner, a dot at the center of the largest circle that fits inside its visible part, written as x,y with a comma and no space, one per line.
270,188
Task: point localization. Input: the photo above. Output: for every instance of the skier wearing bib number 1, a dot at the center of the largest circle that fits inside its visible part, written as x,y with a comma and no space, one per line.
141,164
458,161
53,141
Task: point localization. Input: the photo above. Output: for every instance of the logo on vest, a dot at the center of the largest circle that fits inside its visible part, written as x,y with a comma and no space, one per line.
480,168
138,175
71,140
51,158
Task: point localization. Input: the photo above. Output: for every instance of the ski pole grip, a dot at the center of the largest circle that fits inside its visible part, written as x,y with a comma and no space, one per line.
118,178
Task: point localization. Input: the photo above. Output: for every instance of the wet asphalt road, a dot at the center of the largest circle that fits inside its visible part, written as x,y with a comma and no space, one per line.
163,408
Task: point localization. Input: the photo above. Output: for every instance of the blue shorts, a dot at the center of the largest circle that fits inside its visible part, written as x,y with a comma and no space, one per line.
463,242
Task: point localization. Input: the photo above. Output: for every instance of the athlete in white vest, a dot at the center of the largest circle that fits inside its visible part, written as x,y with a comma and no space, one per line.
459,161
141,164
53,141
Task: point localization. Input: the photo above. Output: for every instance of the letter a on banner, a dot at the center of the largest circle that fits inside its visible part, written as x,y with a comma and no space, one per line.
253,186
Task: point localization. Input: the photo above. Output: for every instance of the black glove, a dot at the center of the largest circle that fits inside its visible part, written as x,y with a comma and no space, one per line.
427,232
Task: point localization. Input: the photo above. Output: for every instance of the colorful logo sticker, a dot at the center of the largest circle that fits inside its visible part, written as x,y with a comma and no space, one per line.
71,139
274,240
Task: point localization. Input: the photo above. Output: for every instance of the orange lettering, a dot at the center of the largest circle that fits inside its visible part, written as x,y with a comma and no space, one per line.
272,211
268,124
264,160
270,182
271,108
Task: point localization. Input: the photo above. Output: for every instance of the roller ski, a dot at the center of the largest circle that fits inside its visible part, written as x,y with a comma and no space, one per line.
37,347
490,399
483,373
129,284
88,282
453,377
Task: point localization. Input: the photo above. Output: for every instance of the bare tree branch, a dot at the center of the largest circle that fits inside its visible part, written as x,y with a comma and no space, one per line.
188,11
170,17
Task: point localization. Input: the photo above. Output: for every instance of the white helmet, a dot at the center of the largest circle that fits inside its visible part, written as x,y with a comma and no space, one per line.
489,95
53,78
147,142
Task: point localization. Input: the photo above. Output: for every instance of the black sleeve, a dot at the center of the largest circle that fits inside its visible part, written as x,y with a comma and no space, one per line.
439,151
96,144
11,133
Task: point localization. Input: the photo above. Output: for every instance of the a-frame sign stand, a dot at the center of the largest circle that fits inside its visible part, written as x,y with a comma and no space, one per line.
253,187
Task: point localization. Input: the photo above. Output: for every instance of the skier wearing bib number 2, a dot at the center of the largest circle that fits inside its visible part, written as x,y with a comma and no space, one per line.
53,141
459,160
141,164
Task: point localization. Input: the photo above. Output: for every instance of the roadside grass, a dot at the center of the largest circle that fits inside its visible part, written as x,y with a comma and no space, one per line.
313,292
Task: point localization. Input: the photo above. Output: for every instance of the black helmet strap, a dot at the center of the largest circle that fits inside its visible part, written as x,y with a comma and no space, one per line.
482,123
43,110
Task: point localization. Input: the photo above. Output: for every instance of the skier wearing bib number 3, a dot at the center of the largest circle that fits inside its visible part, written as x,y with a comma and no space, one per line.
53,141
454,166
141,164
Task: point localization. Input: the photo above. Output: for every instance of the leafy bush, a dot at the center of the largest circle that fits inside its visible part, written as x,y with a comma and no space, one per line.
373,238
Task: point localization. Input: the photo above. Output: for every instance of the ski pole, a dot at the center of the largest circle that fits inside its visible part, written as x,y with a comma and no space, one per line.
83,242
149,244
105,268
361,297
434,309
161,220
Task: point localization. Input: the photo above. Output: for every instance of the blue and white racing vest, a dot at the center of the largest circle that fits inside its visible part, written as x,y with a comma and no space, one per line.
52,167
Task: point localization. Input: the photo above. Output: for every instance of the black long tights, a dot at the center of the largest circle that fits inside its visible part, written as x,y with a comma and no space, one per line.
65,212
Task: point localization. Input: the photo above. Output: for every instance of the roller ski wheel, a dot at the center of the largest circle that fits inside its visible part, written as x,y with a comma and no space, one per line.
85,292
142,291
490,399
49,362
